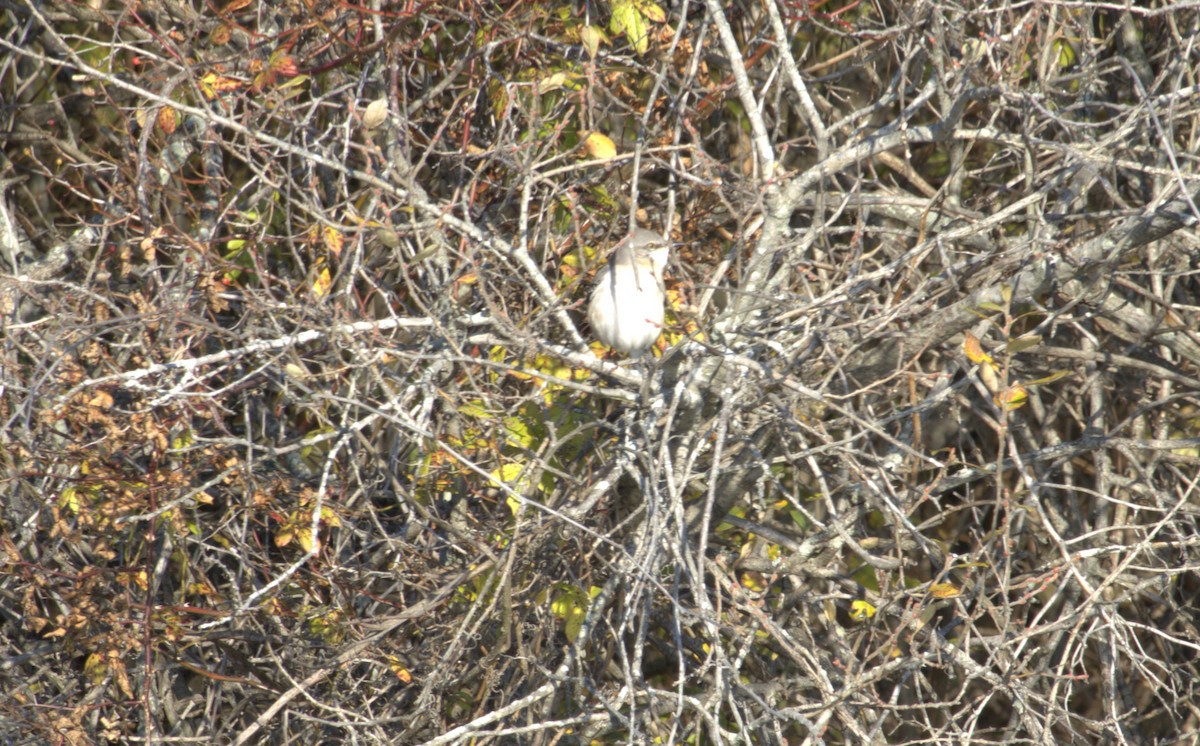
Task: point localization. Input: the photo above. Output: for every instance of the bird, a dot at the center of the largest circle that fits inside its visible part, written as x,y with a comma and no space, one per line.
626,310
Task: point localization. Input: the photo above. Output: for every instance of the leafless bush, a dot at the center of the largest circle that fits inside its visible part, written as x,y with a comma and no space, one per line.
304,441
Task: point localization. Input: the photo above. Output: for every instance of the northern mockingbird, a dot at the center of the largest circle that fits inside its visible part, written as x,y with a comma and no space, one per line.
626,311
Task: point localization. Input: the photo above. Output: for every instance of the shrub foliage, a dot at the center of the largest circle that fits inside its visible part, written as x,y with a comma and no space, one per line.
304,441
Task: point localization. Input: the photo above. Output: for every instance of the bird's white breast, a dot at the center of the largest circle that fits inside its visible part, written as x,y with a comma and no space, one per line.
633,323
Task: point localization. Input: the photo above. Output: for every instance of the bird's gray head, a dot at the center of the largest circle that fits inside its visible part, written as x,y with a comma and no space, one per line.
642,246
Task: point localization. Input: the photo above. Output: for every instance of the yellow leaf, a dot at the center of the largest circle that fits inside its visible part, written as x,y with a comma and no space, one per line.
599,146
399,669
305,537
212,84
168,120
96,668
334,240
652,11
329,517
69,500
754,581
137,577
509,473
944,590
861,610
295,371
1013,397
570,606
323,282
518,479
973,349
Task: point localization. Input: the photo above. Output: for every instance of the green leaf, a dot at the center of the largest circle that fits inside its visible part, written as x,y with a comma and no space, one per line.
628,20
591,37
571,606
518,432
474,409
1020,344
1066,53
1050,378
799,519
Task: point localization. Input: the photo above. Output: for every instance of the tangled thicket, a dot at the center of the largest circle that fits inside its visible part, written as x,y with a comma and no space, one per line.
303,441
